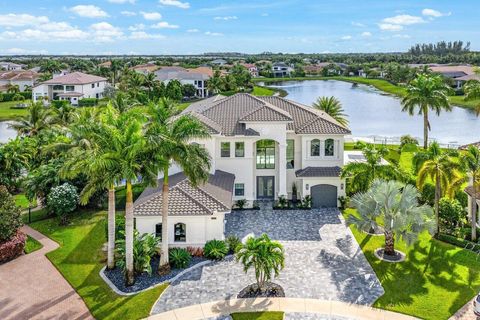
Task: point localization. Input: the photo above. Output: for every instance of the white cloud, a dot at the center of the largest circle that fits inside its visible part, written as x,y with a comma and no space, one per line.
390,27
264,14
21,20
128,13
141,35
122,1
137,27
164,25
105,32
402,36
346,38
193,30
434,13
151,15
175,3
366,34
226,18
357,24
404,20
88,11
213,34
45,35
16,51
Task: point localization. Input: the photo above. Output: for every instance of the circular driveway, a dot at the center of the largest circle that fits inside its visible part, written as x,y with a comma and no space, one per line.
322,261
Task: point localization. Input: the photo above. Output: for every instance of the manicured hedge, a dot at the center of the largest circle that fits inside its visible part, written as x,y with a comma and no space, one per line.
4,97
12,248
87,102
459,242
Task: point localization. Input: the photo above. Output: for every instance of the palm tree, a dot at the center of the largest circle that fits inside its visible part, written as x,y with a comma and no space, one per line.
39,118
149,82
64,114
426,92
215,84
115,67
472,92
393,206
471,161
440,167
13,88
169,137
361,174
267,257
51,66
332,107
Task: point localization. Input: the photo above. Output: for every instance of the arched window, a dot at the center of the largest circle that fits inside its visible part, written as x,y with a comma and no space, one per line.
180,232
315,148
158,231
329,148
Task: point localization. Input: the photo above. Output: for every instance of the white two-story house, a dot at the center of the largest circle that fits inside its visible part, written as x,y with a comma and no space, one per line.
260,147
71,87
197,77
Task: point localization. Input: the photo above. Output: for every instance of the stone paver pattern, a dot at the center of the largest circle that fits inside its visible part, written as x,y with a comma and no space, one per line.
32,288
322,261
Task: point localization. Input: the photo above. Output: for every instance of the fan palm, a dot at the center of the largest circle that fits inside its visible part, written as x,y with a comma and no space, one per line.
169,136
393,206
442,169
426,92
361,174
332,107
267,257
39,118
471,161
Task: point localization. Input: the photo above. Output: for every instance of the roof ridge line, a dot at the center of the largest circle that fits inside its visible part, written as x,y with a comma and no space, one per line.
271,106
206,193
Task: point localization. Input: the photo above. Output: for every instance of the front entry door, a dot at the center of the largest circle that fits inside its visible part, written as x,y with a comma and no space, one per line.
265,187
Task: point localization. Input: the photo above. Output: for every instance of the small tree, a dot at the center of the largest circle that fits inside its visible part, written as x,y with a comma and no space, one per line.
10,215
267,257
394,206
62,200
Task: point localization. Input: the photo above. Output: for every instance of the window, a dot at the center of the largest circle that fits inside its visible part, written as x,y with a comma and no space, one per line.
93,85
239,149
57,87
69,88
98,84
158,231
315,148
290,154
225,149
329,147
239,189
266,154
180,232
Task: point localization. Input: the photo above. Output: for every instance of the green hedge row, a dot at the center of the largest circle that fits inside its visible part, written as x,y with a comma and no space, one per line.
4,97
459,242
87,102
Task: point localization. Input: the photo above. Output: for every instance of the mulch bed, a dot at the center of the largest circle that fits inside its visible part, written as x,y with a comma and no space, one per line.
144,280
398,257
271,290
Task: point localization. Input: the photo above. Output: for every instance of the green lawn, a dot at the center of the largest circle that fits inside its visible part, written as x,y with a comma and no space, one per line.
393,155
32,245
36,215
267,315
262,91
22,201
10,114
80,259
434,282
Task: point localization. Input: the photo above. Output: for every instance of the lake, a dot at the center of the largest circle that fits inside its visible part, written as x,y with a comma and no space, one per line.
5,132
374,113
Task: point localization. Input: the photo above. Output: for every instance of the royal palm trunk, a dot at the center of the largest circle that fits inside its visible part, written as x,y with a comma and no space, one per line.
130,276
389,243
438,191
111,228
164,266
425,128
474,209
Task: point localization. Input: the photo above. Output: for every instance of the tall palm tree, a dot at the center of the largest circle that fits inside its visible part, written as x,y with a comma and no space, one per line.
39,118
393,206
361,174
333,107
215,84
115,67
169,137
149,82
472,92
471,161
426,92
441,168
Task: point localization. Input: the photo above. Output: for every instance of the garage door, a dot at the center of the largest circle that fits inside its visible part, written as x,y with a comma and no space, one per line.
324,195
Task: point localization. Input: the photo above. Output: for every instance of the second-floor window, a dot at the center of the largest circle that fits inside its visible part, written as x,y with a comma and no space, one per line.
69,88
266,154
239,149
329,148
315,148
290,154
93,85
225,149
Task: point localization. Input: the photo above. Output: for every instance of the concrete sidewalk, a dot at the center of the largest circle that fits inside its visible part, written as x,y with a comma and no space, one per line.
320,307
32,288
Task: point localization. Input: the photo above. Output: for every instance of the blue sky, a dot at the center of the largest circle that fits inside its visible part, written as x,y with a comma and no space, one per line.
197,26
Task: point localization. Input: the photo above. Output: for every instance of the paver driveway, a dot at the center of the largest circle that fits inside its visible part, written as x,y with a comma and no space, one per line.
322,261
32,288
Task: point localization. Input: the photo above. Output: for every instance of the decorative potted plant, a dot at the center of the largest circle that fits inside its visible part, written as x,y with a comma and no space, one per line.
294,192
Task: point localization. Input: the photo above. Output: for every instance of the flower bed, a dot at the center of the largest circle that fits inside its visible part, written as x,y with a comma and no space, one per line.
12,248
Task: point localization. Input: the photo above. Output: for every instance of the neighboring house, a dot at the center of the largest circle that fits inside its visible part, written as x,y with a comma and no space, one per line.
460,74
10,66
218,62
71,87
60,73
259,148
197,77
145,68
25,79
469,190
251,68
106,64
281,69
317,68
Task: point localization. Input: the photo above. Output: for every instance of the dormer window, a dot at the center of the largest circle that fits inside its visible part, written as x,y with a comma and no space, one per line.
315,148
329,148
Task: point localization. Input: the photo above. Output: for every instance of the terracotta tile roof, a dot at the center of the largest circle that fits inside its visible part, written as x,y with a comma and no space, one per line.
19,75
449,69
75,78
318,172
184,199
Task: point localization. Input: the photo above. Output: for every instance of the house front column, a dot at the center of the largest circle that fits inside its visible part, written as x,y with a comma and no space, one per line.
282,170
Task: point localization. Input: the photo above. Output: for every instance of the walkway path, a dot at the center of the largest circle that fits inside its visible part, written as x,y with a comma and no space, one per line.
323,309
465,313
32,288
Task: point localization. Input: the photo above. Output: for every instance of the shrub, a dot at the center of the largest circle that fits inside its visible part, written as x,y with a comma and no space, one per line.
233,242
144,248
462,198
195,251
87,102
179,258
344,202
306,202
240,204
407,139
10,96
451,214
359,145
62,200
215,249
427,194
119,227
13,247
10,215
282,202
60,103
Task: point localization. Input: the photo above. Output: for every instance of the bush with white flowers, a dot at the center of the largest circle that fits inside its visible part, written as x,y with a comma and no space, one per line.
62,200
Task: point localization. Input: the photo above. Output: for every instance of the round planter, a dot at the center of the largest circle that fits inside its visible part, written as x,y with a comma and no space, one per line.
398,257
271,290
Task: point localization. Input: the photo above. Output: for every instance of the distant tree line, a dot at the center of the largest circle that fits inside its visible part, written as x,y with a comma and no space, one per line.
440,48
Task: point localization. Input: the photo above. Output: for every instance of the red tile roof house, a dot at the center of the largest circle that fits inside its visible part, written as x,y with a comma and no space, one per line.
25,79
251,68
71,87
